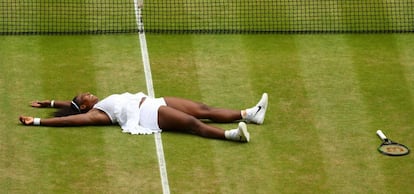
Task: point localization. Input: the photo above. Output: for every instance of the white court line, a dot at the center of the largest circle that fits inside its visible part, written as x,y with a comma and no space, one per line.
148,77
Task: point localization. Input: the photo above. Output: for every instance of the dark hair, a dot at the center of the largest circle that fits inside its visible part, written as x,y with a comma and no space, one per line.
73,109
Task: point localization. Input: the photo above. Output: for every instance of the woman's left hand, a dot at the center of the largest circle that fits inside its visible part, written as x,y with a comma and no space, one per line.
40,104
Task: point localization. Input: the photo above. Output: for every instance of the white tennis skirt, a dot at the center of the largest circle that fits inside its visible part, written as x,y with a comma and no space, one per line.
149,112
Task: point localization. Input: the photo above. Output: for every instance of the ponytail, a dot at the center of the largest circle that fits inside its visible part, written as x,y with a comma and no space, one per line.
73,109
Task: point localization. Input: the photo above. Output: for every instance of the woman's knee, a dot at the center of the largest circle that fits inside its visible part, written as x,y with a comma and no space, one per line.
203,110
193,125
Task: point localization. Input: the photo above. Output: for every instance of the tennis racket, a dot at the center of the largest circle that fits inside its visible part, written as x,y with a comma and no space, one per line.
391,148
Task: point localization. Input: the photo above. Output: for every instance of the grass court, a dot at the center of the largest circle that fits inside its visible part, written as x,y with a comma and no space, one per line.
328,94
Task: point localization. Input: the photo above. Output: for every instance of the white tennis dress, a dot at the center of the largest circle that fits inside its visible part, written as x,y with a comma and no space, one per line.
124,109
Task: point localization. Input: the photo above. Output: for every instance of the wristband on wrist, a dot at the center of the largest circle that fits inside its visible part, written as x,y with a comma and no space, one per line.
36,121
52,103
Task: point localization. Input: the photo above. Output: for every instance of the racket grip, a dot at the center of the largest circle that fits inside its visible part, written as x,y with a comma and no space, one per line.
381,135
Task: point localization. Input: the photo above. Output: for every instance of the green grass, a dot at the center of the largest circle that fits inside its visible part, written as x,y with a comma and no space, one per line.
328,95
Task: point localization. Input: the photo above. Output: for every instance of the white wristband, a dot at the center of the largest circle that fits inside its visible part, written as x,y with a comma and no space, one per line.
36,121
52,103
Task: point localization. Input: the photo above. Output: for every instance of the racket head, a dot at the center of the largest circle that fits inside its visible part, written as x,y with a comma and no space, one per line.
390,148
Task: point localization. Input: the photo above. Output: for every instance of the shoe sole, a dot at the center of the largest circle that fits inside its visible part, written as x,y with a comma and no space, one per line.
243,129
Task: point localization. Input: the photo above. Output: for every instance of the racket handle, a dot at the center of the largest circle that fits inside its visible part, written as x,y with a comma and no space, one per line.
381,135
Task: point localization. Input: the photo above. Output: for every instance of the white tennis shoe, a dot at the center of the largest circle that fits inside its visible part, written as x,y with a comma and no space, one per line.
257,113
240,134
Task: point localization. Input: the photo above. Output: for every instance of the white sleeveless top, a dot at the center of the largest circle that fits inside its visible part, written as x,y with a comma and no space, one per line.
124,110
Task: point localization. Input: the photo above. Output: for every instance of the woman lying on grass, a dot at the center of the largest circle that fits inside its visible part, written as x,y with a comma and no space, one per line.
141,114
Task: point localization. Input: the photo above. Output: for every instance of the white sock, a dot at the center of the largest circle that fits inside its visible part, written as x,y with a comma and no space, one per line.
243,114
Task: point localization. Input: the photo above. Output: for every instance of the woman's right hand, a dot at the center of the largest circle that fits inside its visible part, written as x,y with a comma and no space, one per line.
26,120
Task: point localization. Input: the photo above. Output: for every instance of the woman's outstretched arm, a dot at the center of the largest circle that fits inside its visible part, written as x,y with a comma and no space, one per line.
92,117
50,104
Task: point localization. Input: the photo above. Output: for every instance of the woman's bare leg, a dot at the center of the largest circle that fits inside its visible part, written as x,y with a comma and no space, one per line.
203,111
171,119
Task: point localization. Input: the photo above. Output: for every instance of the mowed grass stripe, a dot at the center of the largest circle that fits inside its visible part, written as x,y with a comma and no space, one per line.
288,153
131,162
406,56
387,95
74,154
189,158
340,116
18,145
224,81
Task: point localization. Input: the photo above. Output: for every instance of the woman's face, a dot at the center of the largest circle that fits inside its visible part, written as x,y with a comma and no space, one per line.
87,101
